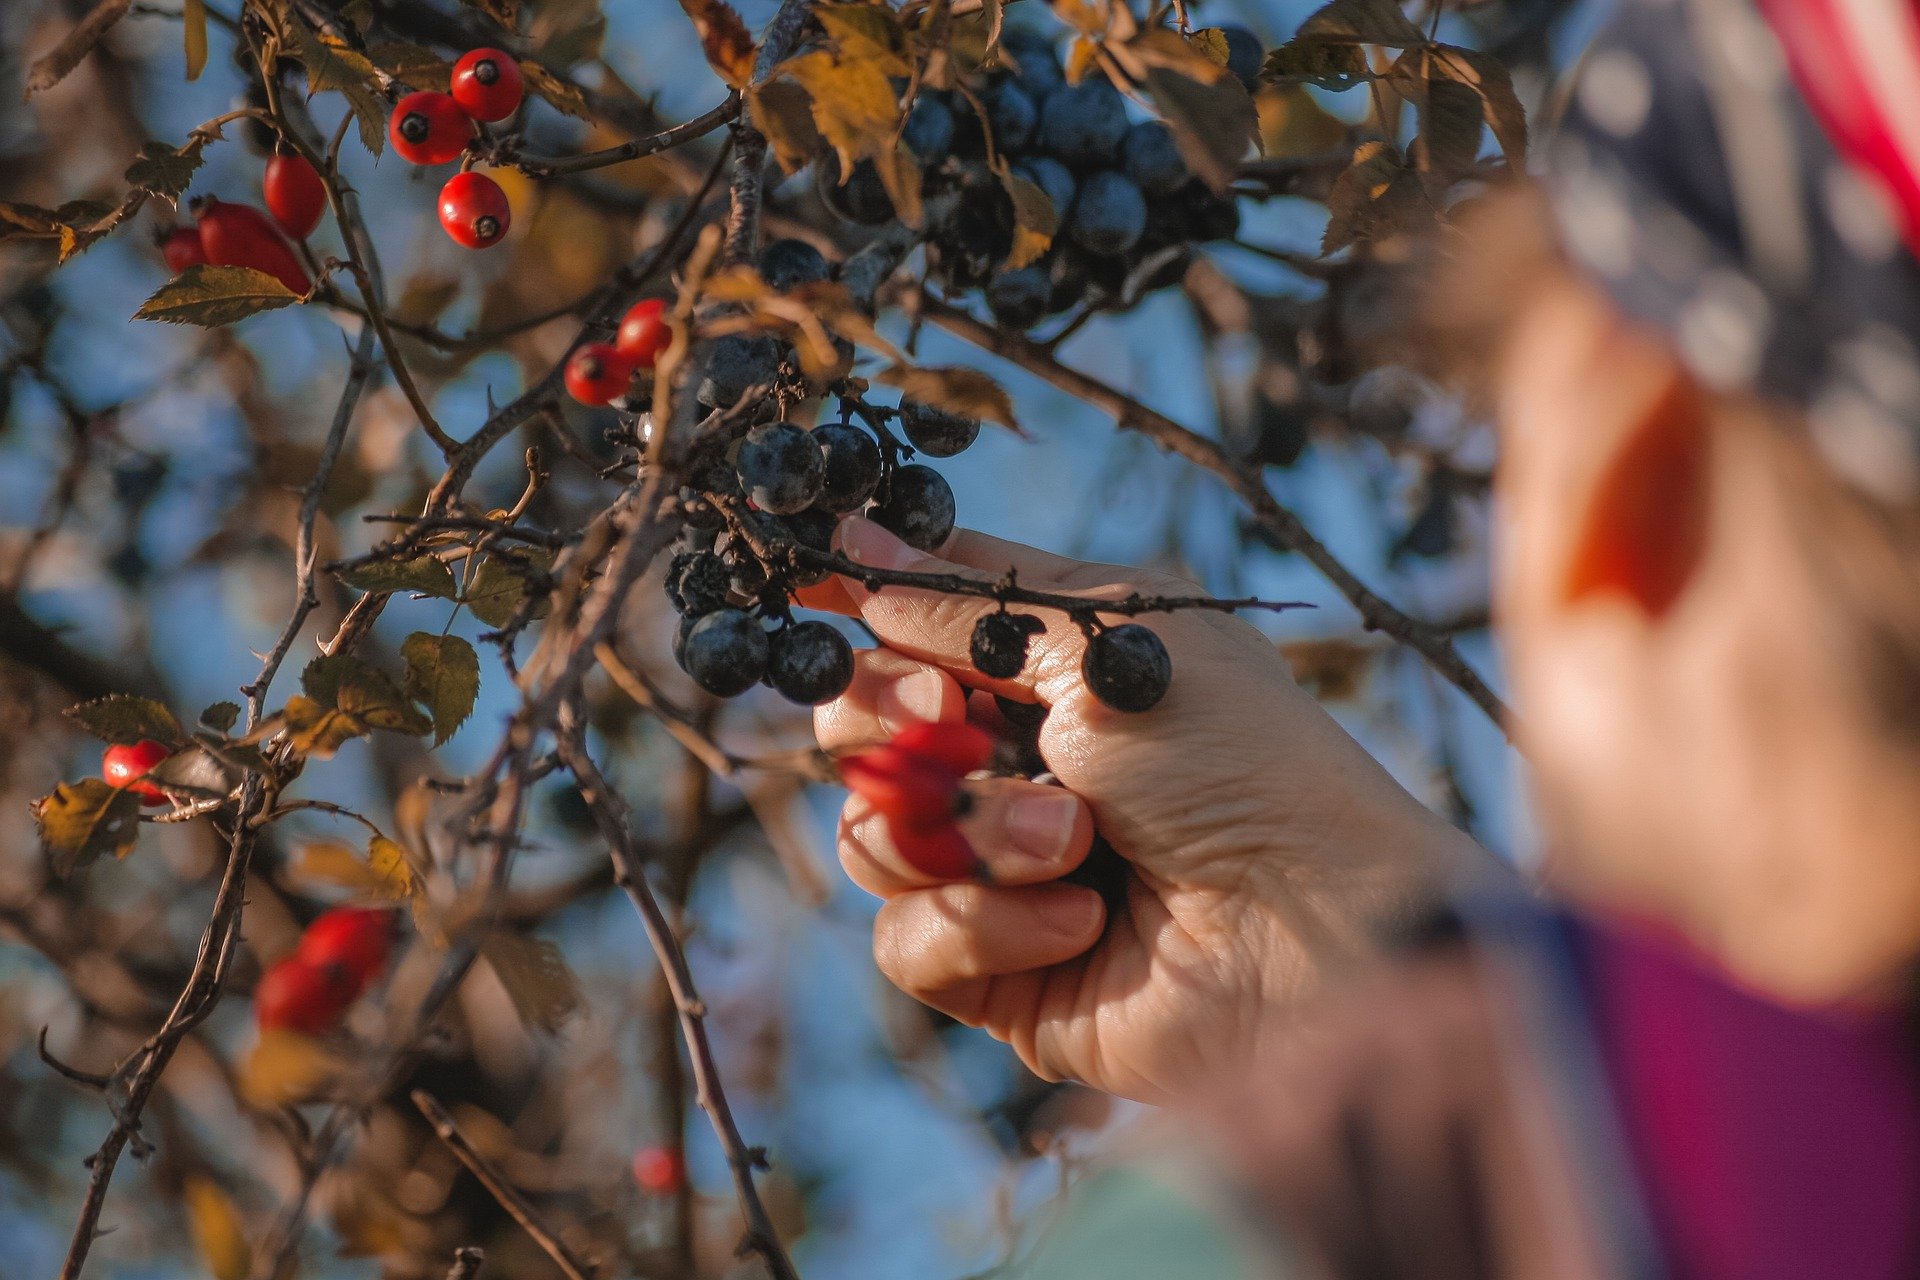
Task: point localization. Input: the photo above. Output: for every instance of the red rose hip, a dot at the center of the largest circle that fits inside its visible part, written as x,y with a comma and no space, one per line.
239,235
356,940
297,995
486,84
126,766
658,1171
429,128
182,249
294,194
473,210
644,332
597,373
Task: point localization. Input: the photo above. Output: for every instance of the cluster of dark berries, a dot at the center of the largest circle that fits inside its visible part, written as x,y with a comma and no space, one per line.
752,517
1128,207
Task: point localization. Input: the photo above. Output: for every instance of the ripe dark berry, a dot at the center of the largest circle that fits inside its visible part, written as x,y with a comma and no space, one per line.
853,466
1127,667
781,468
182,249
809,663
428,128
787,264
999,643
726,653
293,193
486,84
1207,216
688,621
929,131
1109,214
295,994
1084,124
1034,61
736,363
862,198
1244,56
239,235
935,432
1051,177
356,939
644,332
126,765
917,507
1152,160
700,584
812,529
473,210
1020,299
597,373
1012,114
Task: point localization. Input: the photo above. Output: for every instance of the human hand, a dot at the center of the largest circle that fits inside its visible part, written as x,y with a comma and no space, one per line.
1264,846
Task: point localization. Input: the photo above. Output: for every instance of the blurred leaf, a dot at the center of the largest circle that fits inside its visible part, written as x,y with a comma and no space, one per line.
331,64
423,574
165,172
76,225
215,1224
58,62
496,590
1161,47
286,1068
1361,22
900,175
501,11
411,64
782,111
211,296
1211,42
1371,197
1214,124
724,39
194,774
221,716
79,821
1330,66
956,389
853,104
124,719
574,33
557,93
443,675
386,873
866,33
1488,77
1293,123
1035,220
392,866
1333,669
193,18
543,989
1451,123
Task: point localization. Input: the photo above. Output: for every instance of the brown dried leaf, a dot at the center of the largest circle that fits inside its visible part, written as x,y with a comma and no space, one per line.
125,719
443,675
1370,197
783,112
1035,220
79,821
286,1068
543,988
956,389
900,175
1488,77
866,33
555,92
1361,22
58,62
414,65
724,38
165,171
1214,125
1330,66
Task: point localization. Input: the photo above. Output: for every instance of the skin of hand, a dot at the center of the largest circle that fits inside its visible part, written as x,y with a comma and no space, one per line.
1265,847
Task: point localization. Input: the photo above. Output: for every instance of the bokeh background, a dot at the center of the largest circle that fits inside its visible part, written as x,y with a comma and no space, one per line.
902,1145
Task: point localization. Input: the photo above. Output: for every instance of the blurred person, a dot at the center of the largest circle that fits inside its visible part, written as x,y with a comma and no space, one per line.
1704,364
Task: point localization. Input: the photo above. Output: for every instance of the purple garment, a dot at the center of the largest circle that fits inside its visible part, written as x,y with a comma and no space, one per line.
1769,1142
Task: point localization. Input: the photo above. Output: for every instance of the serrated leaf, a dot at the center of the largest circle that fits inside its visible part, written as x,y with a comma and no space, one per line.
538,980
866,33
221,716
1329,66
1211,42
1162,47
496,589
286,1068
193,17
1035,220
211,296
443,675
333,65
58,62
724,39
423,574
413,64
346,698
554,91
853,104
783,112
317,730
956,389
1214,125
1451,122
79,821
216,1229
1488,77
1361,22
164,171
124,719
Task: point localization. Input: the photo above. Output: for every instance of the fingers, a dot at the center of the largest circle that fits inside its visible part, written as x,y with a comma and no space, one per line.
1022,832
944,946
889,692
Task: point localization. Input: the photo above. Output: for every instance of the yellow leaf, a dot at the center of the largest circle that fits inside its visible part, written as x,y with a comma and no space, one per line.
209,296
79,821
193,16
781,110
384,873
865,33
215,1224
900,174
967,392
724,39
319,731
286,1068
1035,220
853,104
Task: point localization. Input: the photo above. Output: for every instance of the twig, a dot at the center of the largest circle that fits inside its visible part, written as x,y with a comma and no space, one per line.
500,1189
699,126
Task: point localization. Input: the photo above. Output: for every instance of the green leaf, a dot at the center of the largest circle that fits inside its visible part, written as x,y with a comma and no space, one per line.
497,588
124,719
211,296
79,821
543,989
443,675
423,574
193,17
221,716
165,172
1361,22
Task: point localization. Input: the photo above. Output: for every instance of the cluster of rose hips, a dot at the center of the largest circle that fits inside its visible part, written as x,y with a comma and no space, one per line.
429,127
338,957
1128,206
600,372
229,234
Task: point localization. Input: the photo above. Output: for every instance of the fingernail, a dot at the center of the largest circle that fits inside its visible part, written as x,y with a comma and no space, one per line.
864,542
1069,912
920,696
1039,825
